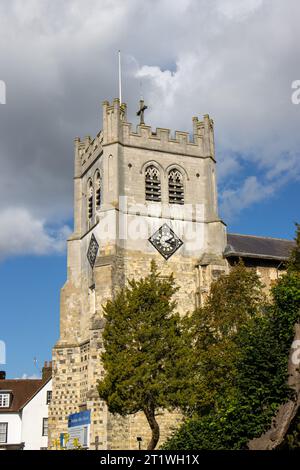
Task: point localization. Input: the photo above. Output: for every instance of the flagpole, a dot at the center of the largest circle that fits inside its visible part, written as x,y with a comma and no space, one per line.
120,79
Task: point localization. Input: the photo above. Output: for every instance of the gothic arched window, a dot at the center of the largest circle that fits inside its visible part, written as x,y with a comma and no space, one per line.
90,195
152,184
176,190
98,190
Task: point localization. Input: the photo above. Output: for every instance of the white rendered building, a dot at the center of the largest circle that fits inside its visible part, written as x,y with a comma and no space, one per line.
24,412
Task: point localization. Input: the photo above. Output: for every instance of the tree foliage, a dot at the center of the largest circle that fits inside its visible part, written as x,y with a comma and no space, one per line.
145,356
294,261
213,330
247,397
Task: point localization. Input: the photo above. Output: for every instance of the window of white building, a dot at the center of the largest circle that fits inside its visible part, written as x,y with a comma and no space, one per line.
3,432
45,426
4,400
49,397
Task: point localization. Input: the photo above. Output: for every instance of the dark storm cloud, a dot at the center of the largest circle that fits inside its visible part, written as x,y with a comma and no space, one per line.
58,59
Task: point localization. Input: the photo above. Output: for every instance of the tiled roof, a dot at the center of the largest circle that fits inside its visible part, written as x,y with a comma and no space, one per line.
258,247
22,391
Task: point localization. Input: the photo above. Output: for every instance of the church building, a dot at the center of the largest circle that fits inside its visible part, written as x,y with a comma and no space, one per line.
139,194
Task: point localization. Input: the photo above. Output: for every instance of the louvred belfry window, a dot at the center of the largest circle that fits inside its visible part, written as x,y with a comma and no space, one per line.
90,200
98,190
152,184
176,190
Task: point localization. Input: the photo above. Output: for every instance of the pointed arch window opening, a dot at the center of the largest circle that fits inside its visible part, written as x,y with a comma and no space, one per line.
176,189
152,184
98,191
90,201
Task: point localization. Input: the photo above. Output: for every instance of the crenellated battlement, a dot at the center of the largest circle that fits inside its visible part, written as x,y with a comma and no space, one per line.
87,150
116,128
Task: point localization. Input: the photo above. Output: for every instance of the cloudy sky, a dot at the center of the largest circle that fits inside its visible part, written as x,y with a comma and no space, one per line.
233,59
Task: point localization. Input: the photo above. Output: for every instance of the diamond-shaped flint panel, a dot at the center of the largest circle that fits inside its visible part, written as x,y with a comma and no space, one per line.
165,241
92,251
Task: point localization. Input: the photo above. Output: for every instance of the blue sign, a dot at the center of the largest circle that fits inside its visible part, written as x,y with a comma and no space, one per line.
79,419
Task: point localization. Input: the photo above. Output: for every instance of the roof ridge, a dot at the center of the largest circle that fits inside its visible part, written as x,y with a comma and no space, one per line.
261,236
20,380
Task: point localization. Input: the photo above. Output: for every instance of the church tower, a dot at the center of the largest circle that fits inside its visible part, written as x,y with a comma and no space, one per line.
138,195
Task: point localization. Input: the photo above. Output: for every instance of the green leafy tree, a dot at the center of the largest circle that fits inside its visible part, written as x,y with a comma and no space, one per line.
258,374
294,261
283,295
146,356
233,300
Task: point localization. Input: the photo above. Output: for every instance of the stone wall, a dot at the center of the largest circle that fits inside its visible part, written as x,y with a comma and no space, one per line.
268,270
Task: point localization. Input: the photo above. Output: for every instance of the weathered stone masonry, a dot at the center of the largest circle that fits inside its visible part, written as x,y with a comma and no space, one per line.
107,167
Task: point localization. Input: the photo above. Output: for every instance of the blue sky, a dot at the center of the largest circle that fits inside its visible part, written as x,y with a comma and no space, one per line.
30,310
274,217
235,60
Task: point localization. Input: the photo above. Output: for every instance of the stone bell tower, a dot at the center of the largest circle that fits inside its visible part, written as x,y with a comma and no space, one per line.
138,195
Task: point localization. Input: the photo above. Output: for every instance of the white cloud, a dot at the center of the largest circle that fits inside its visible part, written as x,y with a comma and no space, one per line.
23,234
229,165
233,59
236,10
238,67
252,191
28,377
